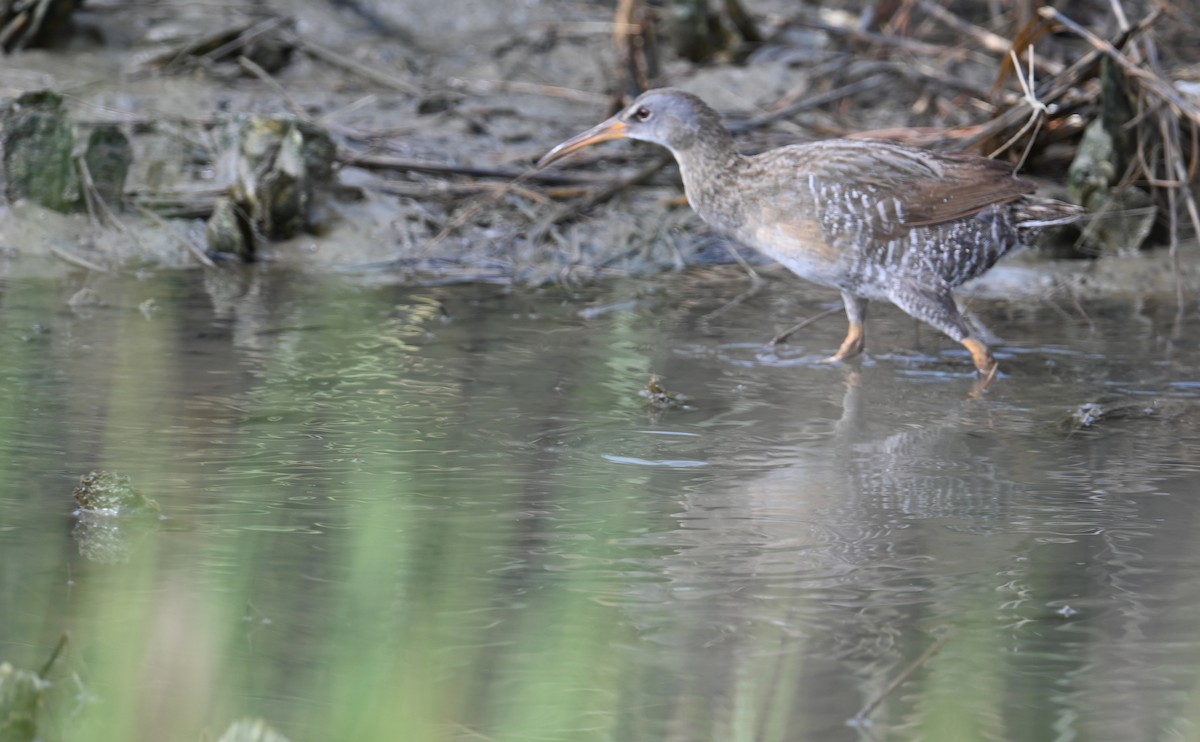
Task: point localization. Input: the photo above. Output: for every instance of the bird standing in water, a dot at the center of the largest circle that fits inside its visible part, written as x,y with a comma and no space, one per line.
873,219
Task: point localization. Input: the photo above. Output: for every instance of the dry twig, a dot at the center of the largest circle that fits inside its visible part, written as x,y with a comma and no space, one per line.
598,196
783,336
196,251
75,260
384,162
255,69
1037,113
1153,83
98,209
904,675
329,56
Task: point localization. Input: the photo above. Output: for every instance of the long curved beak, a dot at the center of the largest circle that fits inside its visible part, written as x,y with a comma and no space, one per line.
611,129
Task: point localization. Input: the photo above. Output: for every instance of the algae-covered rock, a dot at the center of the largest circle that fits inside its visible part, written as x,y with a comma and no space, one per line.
282,192
229,230
1123,221
107,493
660,398
277,169
38,147
108,157
1123,216
112,518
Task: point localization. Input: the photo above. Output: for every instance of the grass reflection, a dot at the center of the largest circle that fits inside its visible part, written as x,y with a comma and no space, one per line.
358,544
446,514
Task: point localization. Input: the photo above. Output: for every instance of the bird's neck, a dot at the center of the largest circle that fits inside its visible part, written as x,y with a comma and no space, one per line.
710,170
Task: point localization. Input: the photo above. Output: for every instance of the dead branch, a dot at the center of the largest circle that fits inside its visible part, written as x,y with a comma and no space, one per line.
486,87
1146,78
442,188
816,101
196,251
992,42
255,69
383,162
904,675
597,197
329,56
75,260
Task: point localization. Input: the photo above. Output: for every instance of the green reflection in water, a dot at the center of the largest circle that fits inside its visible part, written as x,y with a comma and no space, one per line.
439,514
353,550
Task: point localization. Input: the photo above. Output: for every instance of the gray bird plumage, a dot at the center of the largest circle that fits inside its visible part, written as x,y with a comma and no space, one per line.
873,219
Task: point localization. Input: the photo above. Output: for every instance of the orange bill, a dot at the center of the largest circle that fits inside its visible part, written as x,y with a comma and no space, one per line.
611,129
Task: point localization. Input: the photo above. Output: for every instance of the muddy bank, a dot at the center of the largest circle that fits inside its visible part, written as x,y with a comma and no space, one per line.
435,110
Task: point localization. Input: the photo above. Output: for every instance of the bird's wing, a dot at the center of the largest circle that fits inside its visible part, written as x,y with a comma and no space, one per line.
889,187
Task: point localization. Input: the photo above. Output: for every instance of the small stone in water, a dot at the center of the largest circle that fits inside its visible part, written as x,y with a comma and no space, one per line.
113,494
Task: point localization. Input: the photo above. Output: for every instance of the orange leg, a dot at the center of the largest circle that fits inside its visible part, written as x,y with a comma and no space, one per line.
984,362
853,344
856,312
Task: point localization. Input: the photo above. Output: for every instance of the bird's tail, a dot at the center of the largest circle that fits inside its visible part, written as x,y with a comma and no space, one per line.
1035,214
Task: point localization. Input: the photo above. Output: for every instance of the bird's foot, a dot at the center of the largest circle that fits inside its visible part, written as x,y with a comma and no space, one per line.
985,364
852,345
981,383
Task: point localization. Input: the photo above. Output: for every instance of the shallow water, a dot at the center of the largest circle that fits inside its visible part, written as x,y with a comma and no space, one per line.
447,513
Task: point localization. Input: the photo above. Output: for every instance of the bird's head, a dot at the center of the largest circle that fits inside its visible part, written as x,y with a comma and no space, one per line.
665,116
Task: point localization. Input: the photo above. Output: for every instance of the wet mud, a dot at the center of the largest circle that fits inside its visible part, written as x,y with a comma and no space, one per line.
437,112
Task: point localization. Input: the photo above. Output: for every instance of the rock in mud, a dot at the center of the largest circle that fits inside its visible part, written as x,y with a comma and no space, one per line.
113,517
107,493
278,171
38,146
108,157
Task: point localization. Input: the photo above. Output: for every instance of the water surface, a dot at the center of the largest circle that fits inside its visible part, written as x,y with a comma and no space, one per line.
447,513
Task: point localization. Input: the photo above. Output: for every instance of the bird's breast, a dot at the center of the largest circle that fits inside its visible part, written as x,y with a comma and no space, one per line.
775,218
794,238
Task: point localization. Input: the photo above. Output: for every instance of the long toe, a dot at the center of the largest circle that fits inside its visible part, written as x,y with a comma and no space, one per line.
852,345
842,355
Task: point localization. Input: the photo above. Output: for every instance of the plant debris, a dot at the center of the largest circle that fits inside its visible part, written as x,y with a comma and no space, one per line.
1090,414
659,398
263,43
278,169
30,23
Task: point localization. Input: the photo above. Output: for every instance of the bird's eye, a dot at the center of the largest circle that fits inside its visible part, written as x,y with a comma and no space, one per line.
642,114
